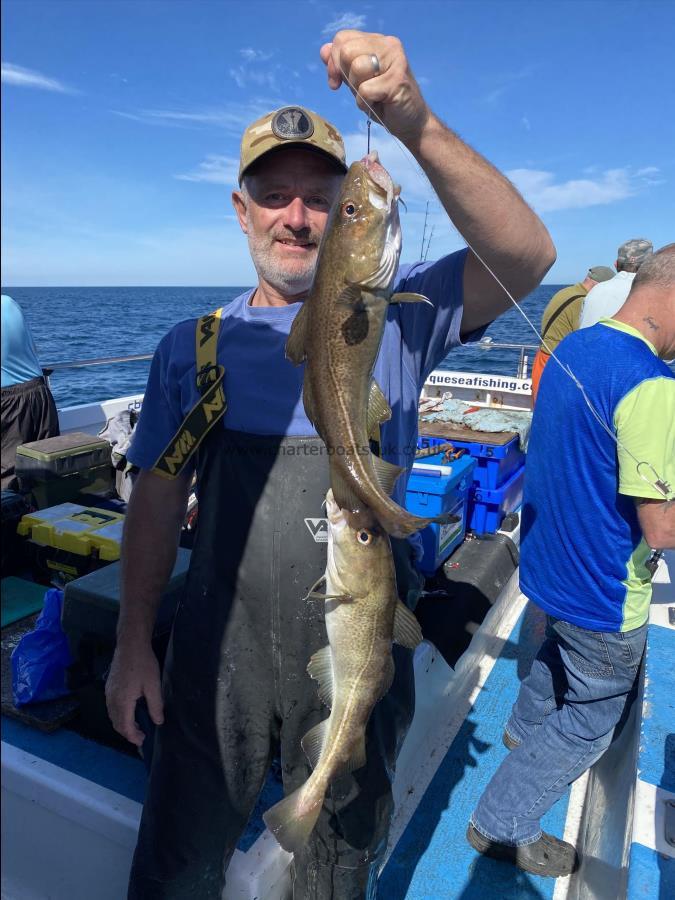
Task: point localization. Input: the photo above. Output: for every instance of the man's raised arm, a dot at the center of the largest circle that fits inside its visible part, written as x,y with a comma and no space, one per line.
483,205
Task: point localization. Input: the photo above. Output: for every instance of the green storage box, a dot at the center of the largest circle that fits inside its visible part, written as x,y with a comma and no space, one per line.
57,470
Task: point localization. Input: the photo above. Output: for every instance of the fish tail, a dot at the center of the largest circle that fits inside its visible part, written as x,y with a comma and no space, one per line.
292,819
400,523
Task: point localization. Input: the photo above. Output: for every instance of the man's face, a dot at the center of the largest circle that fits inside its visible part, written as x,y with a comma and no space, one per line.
284,212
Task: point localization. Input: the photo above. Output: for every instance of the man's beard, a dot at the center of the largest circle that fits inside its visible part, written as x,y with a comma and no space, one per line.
289,277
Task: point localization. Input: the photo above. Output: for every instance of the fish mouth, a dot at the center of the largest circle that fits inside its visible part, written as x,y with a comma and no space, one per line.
333,512
382,191
371,163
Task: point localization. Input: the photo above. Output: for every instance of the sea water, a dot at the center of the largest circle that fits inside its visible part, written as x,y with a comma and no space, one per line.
92,322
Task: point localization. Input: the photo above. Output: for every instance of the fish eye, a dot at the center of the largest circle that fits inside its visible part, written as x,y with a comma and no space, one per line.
364,537
348,209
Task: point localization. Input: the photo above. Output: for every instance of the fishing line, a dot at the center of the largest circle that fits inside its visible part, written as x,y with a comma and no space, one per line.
659,483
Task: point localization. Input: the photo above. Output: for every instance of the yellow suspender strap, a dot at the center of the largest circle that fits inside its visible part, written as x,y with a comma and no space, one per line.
208,410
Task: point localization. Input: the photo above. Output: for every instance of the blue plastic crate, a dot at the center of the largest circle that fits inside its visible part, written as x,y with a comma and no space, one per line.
432,491
494,464
486,509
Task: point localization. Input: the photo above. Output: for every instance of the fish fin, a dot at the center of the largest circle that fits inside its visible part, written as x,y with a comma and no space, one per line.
379,410
308,400
358,758
342,492
407,631
318,582
386,473
388,678
320,668
312,743
446,519
297,338
291,821
407,297
350,296
315,594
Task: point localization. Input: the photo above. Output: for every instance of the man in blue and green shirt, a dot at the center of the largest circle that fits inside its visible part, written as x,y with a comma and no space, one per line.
599,491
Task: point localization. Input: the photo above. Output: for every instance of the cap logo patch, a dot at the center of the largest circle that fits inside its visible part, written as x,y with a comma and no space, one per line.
292,124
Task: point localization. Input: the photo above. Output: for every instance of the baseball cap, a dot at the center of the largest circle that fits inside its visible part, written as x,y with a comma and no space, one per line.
601,273
290,126
635,251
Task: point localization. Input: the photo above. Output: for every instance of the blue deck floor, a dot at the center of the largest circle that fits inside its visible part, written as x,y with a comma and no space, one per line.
652,874
432,859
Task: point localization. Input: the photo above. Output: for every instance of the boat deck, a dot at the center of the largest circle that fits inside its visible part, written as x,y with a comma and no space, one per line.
432,858
63,792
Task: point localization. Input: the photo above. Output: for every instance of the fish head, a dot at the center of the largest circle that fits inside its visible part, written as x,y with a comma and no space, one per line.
365,225
359,551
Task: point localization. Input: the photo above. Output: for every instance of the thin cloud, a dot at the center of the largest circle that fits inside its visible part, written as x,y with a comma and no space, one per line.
542,191
254,70
348,20
525,122
506,82
233,119
215,169
21,77
251,55
244,76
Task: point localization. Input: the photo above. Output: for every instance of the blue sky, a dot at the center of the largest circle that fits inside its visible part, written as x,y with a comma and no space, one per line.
122,121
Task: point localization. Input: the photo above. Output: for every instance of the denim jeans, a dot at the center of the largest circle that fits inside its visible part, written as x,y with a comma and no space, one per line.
563,720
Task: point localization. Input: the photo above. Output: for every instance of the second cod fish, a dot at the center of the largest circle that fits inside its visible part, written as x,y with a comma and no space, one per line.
338,332
363,616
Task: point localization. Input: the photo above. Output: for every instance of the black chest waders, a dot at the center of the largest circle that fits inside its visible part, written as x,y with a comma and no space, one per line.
235,684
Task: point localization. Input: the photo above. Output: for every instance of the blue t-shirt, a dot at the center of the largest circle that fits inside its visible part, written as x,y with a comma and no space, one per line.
19,356
582,551
264,389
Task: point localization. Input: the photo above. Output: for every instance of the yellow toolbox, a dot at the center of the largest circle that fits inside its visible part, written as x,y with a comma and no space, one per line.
71,540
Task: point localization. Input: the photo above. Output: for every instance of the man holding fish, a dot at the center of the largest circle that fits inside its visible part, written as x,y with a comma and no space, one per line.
262,599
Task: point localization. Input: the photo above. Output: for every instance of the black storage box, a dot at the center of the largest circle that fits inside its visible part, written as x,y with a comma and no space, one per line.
58,469
90,611
91,607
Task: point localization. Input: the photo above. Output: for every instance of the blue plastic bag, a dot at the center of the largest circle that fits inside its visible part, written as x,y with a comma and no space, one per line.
40,659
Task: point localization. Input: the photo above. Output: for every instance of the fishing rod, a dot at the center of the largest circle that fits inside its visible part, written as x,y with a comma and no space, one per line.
660,484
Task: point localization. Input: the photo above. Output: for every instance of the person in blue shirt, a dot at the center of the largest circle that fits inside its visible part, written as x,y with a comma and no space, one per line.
599,491
235,685
28,408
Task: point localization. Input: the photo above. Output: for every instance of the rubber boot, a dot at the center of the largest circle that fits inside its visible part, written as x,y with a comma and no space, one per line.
548,856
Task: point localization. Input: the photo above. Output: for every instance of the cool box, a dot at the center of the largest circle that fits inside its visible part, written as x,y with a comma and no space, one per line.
486,509
494,463
432,491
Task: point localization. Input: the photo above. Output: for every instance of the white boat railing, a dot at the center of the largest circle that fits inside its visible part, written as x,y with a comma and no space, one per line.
99,361
485,343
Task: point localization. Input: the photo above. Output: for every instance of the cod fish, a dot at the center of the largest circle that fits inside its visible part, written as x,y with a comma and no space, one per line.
338,332
363,616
